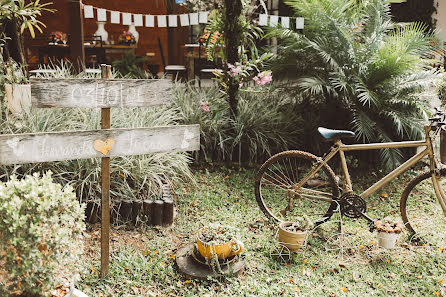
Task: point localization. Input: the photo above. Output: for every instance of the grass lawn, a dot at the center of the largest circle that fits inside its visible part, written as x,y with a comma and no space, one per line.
143,261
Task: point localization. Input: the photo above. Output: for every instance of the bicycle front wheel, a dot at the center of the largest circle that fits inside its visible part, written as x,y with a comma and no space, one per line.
281,199
421,211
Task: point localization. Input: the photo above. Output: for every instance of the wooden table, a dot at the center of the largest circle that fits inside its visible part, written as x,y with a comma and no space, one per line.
118,48
59,51
192,52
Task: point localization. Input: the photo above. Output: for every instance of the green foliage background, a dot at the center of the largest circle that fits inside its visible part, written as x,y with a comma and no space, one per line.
353,68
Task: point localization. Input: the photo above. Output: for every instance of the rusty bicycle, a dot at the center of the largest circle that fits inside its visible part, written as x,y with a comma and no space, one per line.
293,183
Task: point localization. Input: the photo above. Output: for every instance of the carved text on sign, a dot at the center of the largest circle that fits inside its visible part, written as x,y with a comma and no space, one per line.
100,93
59,146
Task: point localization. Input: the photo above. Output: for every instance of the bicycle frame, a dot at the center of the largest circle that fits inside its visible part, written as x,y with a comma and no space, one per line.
340,148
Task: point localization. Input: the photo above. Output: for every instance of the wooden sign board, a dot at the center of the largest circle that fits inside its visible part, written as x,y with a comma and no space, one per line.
100,93
59,146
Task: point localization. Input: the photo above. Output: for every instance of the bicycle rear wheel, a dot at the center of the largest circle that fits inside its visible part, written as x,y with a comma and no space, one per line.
421,212
280,199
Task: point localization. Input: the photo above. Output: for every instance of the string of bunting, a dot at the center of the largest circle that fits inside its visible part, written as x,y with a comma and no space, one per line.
186,19
139,20
285,22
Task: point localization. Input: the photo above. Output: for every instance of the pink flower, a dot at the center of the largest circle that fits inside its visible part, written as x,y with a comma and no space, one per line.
234,70
263,78
205,106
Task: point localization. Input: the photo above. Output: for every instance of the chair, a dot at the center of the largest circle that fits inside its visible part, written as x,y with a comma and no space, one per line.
94,52
175,71
204,68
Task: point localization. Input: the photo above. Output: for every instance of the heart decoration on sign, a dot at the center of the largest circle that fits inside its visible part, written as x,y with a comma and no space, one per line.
103,146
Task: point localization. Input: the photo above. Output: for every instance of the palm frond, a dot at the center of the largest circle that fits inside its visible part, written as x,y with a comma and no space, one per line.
363,126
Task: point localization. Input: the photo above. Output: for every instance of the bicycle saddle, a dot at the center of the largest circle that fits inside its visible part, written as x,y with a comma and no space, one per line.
329,134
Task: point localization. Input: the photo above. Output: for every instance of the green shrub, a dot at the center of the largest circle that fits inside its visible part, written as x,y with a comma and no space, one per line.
41,231
131,66
265,124
213,124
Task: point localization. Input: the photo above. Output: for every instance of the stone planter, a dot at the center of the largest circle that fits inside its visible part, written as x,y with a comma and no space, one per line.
18,97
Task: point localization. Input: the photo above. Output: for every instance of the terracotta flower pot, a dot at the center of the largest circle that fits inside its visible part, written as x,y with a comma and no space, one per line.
292,240
223,251
387,240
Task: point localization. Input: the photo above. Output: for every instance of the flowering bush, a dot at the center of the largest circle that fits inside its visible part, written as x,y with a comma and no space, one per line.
205,106
248,70
263,78
41,229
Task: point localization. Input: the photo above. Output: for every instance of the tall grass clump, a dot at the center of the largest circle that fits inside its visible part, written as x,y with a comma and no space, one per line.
264,125
360,70
132,177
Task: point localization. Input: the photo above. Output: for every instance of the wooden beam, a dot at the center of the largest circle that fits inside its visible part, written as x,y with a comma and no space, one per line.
105,187
59,146
99,93
76,35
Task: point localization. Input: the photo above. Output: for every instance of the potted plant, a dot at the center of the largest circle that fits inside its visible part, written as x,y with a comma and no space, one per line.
293,234
17,89
41,232
388,232
127,38
218,241
58,37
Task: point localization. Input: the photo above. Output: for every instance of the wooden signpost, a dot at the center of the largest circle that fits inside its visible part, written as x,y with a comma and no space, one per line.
104,143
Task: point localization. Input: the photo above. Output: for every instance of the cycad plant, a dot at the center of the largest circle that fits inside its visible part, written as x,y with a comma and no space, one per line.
359,70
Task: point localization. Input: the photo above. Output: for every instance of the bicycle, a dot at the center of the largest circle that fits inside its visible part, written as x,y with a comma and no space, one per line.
293,183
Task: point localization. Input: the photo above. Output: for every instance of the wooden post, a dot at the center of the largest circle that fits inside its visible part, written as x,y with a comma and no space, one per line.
168,209
168,212
105,176
77,35
136,211
157,218
148,210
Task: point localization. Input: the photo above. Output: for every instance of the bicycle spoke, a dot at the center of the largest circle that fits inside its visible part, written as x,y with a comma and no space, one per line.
277,196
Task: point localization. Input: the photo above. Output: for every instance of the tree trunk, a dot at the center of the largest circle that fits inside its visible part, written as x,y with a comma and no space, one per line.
14,44
232,39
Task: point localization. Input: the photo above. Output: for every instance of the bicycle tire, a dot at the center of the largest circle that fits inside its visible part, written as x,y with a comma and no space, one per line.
279,173
421,211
